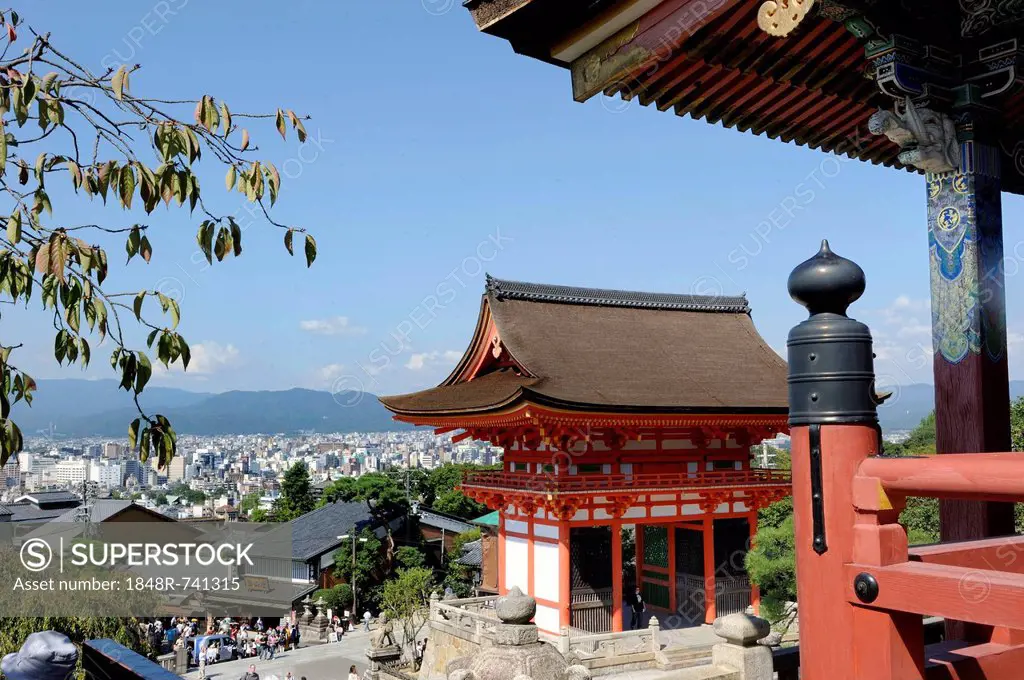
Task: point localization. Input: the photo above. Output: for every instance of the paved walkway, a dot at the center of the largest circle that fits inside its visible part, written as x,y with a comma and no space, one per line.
316,662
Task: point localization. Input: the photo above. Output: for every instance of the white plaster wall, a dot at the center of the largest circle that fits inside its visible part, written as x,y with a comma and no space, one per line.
516,562
663,511
547,619
690,509
546,571
545,530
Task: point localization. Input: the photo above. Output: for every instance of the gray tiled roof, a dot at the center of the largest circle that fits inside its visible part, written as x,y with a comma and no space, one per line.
28,512
439,520
99,511
316,532
5,511
48,497
573,295
472,554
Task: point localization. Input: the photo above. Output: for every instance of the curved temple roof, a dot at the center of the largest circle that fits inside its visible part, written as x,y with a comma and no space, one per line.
610,351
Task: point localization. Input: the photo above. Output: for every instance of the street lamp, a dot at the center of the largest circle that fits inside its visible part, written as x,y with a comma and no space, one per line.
355,609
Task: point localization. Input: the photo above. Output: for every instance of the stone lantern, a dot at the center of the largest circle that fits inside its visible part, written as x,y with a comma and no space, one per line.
517,652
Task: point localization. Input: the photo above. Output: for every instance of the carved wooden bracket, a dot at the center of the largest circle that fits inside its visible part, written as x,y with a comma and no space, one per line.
780,17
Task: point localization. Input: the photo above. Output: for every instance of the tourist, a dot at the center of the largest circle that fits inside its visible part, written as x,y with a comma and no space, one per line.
638,608
366,620
251,674
352,674
202,663
295,637
272,641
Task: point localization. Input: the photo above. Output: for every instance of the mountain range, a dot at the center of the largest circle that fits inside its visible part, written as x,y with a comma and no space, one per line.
80,408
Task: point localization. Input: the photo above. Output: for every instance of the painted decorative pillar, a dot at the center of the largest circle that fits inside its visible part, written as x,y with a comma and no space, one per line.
755,592
965,239
616,577
710,607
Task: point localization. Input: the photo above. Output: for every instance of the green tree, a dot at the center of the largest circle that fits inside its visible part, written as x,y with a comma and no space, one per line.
454,503
406,600
771,564
371,568
249,503
408,557
64,128
459,577
384,497
296,497
442,480
338,598
259,515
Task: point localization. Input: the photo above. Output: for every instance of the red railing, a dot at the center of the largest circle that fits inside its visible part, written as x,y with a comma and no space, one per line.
552,483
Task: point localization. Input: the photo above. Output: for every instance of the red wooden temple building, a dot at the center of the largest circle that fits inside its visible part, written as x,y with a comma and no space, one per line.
616,408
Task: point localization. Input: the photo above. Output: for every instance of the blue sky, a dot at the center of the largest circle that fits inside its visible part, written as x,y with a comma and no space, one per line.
437,154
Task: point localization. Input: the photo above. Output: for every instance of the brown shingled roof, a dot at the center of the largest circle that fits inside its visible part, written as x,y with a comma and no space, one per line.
614,351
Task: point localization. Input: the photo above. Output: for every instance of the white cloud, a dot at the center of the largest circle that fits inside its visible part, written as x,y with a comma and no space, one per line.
207,358
338,325
326,375
427,360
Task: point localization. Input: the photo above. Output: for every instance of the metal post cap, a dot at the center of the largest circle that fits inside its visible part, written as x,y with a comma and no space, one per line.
826,283
831,367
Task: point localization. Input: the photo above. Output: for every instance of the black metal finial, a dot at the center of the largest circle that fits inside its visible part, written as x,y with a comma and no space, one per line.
831,367
826,283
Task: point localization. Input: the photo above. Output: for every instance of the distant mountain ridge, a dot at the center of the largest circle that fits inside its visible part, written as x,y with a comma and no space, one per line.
79,408
910,403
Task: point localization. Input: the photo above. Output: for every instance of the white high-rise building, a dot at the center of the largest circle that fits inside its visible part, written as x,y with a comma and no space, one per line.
105,474
69,472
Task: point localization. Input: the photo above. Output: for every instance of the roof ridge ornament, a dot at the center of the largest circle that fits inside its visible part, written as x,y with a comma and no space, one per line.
780,17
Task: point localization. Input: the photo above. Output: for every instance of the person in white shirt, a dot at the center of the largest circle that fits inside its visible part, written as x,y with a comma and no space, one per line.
352,674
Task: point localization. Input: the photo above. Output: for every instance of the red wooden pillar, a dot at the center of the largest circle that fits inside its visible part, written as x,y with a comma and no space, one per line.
564,576
616,577
710,607
834,428
673,605
501,551
755,592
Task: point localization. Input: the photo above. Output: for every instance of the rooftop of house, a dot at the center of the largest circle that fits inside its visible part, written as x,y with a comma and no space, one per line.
610,351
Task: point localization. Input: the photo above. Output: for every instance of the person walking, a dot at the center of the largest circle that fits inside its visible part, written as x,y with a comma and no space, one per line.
251,674
352,674
202,663
638,607
366,620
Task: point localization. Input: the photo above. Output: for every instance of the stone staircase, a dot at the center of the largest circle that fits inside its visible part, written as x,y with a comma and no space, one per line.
684,657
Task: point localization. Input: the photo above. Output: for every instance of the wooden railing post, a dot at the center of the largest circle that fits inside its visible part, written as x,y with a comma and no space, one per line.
834,427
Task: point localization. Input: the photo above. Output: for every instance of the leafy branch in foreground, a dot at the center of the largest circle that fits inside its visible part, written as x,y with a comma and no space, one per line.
62,123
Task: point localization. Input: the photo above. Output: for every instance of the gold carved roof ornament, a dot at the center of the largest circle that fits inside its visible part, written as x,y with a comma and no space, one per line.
780,17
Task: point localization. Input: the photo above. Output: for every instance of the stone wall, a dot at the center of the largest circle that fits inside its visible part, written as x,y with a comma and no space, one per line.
446,644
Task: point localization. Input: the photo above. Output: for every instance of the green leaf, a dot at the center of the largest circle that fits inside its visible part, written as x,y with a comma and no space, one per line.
126,186
229,179
48,80
28,89
280,124
223,244
72,315
310,250
86,352
119,82
225,116
137,306
144,372
163,349
14,227
133,433
144,445
132,243
152,337
185,352
288,241
236,237
60,346
145,250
